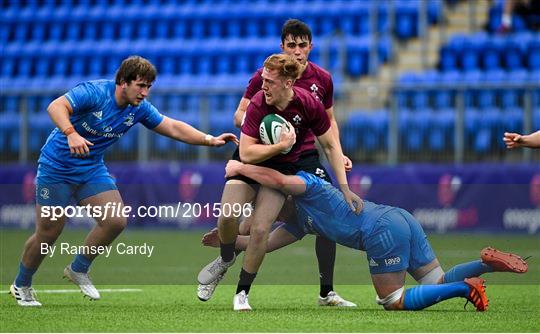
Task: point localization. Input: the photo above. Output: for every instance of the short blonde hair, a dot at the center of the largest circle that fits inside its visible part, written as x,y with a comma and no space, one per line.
286,65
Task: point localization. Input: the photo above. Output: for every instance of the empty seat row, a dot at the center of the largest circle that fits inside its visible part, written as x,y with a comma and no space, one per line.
192,102
478,89
177,57
432,130
206,20
485,52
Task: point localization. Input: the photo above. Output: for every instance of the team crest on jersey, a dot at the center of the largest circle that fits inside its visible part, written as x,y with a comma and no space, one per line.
98,114
128,120
297,119
315,91
44,193
320,173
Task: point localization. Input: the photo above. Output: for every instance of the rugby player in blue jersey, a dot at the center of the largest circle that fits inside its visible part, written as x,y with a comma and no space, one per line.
89,118
393,240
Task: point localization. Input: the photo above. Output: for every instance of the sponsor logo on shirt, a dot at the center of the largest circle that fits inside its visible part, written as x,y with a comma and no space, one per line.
297,119
372,263
106,131
392,261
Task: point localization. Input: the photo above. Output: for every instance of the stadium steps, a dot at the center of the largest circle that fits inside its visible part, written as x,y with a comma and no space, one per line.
373,90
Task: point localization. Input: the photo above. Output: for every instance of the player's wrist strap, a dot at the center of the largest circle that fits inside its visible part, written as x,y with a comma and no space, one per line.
68,131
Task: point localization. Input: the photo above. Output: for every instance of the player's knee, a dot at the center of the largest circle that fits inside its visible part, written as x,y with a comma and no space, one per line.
259,232
48,232
393,301
116,224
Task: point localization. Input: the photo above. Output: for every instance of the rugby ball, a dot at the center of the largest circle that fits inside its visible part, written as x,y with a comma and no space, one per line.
270,130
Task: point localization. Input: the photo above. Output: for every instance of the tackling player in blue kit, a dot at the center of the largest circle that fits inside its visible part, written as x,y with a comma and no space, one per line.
89,118
393,240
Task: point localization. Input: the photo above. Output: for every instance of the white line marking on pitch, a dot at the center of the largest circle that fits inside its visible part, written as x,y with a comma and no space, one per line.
76,290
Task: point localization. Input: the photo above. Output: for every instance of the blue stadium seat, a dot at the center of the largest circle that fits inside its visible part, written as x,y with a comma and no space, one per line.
443,97
533,57
357,56
441,129
470,54
413,128
487,96
448,58
490,50
511,97
406,18
420,98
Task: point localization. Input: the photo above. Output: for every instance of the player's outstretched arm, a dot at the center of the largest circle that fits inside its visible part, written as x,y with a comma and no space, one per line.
287,184
514,140
179,130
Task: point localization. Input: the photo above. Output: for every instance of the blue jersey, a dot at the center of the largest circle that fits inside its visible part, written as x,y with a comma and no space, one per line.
97,118
322,210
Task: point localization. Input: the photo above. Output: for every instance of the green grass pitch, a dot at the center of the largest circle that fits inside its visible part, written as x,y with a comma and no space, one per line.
162,296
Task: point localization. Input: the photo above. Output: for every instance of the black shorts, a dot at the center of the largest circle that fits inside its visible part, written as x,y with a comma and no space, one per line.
308,162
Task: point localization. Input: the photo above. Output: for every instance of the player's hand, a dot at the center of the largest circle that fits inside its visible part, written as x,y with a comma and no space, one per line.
347,163
78,146
211,239
512,140
232,168
287,136
355,202
223,139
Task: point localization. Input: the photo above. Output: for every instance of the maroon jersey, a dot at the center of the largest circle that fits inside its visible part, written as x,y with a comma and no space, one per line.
304,112
314,79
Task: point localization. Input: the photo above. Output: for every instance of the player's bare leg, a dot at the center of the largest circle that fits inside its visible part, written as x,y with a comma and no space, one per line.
108,227
235,192
106,230
47,231
269,204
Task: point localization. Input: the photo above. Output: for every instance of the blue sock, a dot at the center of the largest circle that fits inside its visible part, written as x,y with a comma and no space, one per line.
466,270
423,296
24,277
81,264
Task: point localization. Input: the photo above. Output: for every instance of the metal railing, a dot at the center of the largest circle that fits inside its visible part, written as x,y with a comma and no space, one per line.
457,148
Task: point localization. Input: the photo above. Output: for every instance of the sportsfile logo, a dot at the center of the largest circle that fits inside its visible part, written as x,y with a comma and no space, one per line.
116,210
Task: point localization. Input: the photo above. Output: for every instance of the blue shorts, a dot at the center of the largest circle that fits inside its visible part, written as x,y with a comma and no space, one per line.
397,243
54,188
